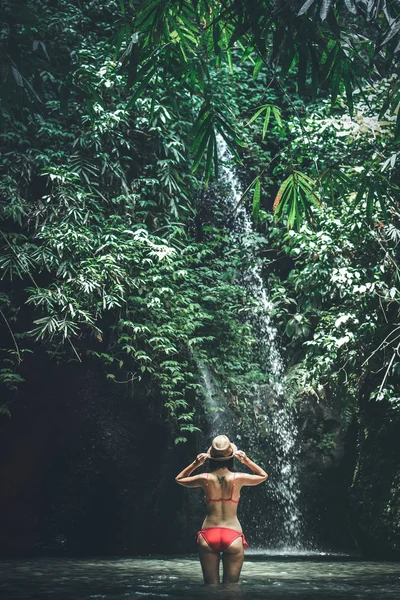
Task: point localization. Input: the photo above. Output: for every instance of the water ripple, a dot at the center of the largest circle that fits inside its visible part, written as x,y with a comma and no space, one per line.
328,578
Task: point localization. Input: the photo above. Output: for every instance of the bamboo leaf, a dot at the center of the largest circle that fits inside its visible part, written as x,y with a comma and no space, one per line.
385,105
43,46
237,32
216,158
257,113
360,193
17,76
153,99
230,145
266,121
200,134
305,7
31,89
201,148
307,179
140,89
247,53
257,67
351,6
394,28
325,6
278,198
226,128
305,207
293,209
383,201
216,38
333,49
277,115
229,57
209,159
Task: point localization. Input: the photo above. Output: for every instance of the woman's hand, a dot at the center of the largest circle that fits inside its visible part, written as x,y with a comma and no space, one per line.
240,455
258,475
184,477
201,458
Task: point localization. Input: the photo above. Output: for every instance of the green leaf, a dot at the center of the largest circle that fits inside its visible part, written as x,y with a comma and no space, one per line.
229,57
293,209
277,115
142,86
257,67
282,191
204,140
180,440
17,76
266,121
210,156
257,113
305,7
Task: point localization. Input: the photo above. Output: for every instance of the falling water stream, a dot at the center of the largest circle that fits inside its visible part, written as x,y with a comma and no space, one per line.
275,420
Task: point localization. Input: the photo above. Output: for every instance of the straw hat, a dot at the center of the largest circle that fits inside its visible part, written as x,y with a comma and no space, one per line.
221,448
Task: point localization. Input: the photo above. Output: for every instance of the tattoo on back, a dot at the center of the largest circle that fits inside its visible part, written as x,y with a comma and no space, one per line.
221,480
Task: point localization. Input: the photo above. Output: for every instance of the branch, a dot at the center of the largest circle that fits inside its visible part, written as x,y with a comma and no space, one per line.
396,351
381,344
12,335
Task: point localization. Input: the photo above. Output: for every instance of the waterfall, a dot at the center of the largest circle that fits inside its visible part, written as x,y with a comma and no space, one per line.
217,412
276,427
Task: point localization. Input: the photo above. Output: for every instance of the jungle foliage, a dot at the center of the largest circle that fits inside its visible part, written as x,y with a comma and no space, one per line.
340,302
110,118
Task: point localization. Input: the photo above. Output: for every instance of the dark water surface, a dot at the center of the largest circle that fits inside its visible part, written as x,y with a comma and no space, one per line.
263,576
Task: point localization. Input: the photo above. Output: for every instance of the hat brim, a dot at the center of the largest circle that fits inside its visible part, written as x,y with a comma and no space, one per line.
222,458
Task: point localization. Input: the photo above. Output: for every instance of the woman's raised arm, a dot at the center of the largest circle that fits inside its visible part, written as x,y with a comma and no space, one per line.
259,475
183,478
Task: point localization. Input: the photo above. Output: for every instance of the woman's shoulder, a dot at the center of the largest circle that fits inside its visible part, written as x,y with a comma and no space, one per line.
218,475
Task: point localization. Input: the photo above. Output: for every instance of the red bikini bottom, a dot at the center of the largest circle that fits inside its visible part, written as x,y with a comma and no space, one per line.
220,538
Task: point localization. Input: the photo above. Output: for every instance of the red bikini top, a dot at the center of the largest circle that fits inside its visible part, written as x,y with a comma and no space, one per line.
230,499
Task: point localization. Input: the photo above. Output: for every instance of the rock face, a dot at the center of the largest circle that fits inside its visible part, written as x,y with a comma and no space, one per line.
350,478
88,467
375,491
326,468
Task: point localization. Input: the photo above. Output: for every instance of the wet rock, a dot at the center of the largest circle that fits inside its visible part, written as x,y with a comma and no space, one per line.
326,461
375,490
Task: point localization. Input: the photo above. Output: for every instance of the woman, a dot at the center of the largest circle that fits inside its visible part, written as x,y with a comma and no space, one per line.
221,531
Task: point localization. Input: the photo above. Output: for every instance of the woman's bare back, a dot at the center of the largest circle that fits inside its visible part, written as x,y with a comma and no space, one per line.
222,494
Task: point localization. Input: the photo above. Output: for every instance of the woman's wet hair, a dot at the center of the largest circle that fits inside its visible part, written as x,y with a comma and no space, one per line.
218,464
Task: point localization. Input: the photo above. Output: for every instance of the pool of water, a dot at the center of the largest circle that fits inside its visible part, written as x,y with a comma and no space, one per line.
322,577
